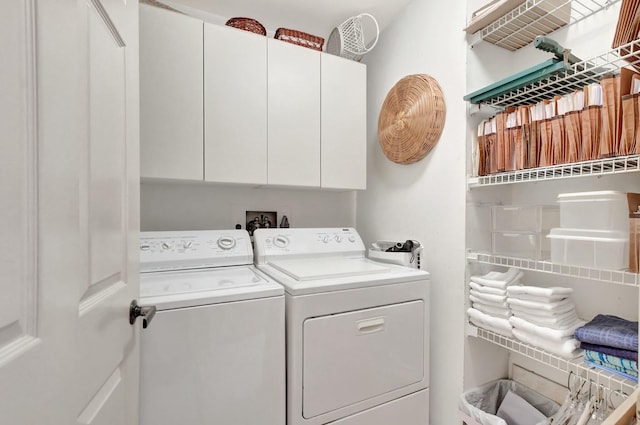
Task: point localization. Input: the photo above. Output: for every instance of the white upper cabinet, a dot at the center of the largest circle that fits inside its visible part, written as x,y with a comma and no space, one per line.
235,105
293,115
229,106
171,94
344,123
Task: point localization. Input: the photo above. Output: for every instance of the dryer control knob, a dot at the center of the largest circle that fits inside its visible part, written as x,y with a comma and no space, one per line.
338,238
166,245
352,238
326,238
226,242
281,241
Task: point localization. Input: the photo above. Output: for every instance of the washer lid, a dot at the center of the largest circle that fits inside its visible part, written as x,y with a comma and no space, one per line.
326,268
198,287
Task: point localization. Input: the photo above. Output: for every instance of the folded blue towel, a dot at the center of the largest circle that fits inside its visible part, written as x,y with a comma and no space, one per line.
611,331
618,352
624,365
612,370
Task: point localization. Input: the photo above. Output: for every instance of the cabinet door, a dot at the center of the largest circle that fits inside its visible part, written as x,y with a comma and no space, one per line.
170,95
235,105
344,123
294,115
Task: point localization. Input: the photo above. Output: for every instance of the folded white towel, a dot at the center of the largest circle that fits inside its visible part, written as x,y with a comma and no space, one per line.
475,299
504,313
561,321
490,298
568,348
535,298
536,312
487,289
553,293
495,324
555,306
544,332
497,280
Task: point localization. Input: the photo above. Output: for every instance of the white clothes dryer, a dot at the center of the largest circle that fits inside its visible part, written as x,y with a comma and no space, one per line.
215,352
357,330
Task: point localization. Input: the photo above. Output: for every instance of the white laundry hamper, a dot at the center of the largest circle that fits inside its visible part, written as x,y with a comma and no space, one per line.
479,406
348,38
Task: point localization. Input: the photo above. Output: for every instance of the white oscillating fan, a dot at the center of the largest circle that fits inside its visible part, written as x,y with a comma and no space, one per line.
348,38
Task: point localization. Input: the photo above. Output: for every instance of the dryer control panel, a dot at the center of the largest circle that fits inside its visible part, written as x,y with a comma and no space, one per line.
182,250
300,243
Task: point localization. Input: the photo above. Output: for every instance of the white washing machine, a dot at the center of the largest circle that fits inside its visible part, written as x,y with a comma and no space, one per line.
215,351
357,330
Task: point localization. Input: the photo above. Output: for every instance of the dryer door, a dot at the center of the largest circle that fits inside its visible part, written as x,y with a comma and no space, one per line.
354,356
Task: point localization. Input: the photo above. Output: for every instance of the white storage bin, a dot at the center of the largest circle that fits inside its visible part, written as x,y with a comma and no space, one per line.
604,210
528,245
600,249
525,218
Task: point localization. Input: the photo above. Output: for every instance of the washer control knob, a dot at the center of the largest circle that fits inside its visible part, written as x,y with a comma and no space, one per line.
352,238
166,245
338,238
226,242
326,238
187,245
145,247
281,241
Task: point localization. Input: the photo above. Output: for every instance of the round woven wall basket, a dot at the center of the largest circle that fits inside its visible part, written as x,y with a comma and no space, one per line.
411,119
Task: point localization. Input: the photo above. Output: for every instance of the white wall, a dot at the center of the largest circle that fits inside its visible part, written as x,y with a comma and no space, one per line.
197,206
426,200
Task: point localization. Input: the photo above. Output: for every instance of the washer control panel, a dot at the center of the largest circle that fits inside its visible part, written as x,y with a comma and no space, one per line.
278,243
176,250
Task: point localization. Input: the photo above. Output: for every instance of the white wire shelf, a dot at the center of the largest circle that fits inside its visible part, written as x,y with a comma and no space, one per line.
573,78
618,277
597,167
521,25
577,366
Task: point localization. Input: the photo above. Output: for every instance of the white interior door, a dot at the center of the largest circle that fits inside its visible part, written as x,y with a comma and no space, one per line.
69,182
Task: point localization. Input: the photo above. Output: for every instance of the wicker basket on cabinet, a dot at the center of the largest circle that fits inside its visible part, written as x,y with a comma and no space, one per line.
247,24
300,38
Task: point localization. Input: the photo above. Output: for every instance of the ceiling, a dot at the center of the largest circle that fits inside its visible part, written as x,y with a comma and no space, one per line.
316,17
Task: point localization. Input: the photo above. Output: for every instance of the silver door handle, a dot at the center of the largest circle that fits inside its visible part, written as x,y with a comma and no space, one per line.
147,313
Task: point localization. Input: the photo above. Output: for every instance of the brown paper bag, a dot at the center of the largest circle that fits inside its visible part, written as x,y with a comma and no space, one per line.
613,88
610,92
535,143
591,118
510,149
481,155
629,119
492,158
546,144
558,140
519,157
573,135
635,148
633,200
501,120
